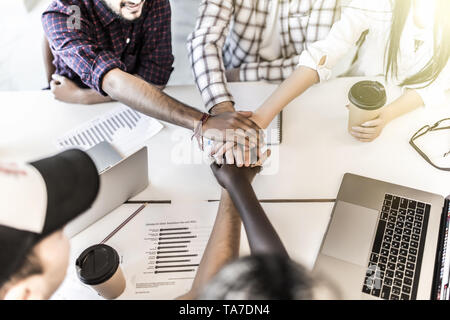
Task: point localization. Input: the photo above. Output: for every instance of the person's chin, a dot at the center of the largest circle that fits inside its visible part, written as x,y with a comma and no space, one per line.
132,16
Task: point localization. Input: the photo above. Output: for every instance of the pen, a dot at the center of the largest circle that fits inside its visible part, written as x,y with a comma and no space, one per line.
124,223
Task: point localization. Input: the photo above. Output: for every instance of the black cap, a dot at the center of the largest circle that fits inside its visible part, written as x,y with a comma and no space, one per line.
71,182
97,264
368,95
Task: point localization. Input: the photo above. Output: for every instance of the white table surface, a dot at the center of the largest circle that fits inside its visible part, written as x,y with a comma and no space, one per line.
315,152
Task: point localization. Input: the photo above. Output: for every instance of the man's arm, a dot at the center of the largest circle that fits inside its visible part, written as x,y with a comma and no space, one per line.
222,247
145,98
262,236
102,71
205,46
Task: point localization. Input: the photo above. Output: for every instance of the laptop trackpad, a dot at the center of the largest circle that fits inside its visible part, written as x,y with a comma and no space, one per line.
351,233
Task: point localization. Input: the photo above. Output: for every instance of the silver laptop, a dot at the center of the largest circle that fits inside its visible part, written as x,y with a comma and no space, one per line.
384,241
120,180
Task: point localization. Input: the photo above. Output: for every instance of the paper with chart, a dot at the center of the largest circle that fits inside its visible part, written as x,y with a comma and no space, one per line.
160,249
126,129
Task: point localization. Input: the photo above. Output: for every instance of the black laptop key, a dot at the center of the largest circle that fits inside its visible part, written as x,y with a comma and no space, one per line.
366,289
406,289
398,231
393,213
407,232
392,219
413,251
391,266
395,203
407,281
401,218
384,215
395,244
399,274
412,204
405,245
387,238
374,257
383,259
391,225
394,252
411,212
418,224
406,238
404,297
389,274
420,205
401,259
395,297
402,211
414,244
404,252
398,282
409,273
408,225
410,266
410,218
397,237
379,236
419,218
411,259
376,291
396,290
385,292
393,259
389,232
387,202
384,252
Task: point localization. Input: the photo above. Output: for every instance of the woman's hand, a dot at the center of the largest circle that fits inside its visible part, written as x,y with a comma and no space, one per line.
370,130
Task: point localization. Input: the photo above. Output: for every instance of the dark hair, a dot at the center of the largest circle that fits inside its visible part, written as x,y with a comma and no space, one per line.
437,63
260,277
31,266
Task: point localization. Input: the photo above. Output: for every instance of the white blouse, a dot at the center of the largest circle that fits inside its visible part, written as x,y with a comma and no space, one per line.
376,16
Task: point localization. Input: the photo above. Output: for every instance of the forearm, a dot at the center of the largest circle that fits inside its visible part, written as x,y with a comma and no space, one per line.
407,102
300,80
262,236
90,96
222,247
147,99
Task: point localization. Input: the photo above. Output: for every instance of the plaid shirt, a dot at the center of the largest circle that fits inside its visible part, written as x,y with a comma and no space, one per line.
104,42
229,33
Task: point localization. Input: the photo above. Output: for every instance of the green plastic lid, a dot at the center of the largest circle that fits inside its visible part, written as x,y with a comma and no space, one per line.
368,95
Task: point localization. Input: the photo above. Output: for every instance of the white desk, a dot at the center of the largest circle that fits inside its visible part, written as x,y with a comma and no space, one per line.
315,153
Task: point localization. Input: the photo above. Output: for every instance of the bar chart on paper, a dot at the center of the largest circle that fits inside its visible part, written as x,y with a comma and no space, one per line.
175,250
126,129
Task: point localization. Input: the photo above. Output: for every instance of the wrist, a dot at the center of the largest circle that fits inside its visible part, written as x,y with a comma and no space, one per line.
387,114
226,106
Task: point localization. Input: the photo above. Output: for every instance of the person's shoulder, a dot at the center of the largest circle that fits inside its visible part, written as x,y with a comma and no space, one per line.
68,6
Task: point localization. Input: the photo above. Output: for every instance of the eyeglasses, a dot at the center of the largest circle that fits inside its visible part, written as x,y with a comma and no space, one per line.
443,124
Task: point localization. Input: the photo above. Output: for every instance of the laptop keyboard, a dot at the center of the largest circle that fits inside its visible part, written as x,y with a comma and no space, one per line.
396,257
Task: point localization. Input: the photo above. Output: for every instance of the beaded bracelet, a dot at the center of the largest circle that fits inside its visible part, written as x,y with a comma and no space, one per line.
198,132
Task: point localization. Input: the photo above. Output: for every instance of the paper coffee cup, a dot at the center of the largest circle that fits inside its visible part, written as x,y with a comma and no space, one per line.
367,98
99,267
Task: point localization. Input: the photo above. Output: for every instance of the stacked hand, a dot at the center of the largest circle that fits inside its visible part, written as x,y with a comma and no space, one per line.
241,146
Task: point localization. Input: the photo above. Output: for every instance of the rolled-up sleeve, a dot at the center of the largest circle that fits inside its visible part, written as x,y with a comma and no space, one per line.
342,37
78,49
435,94
205,47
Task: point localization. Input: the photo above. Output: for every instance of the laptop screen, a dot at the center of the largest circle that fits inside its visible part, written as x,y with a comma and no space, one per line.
443,290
